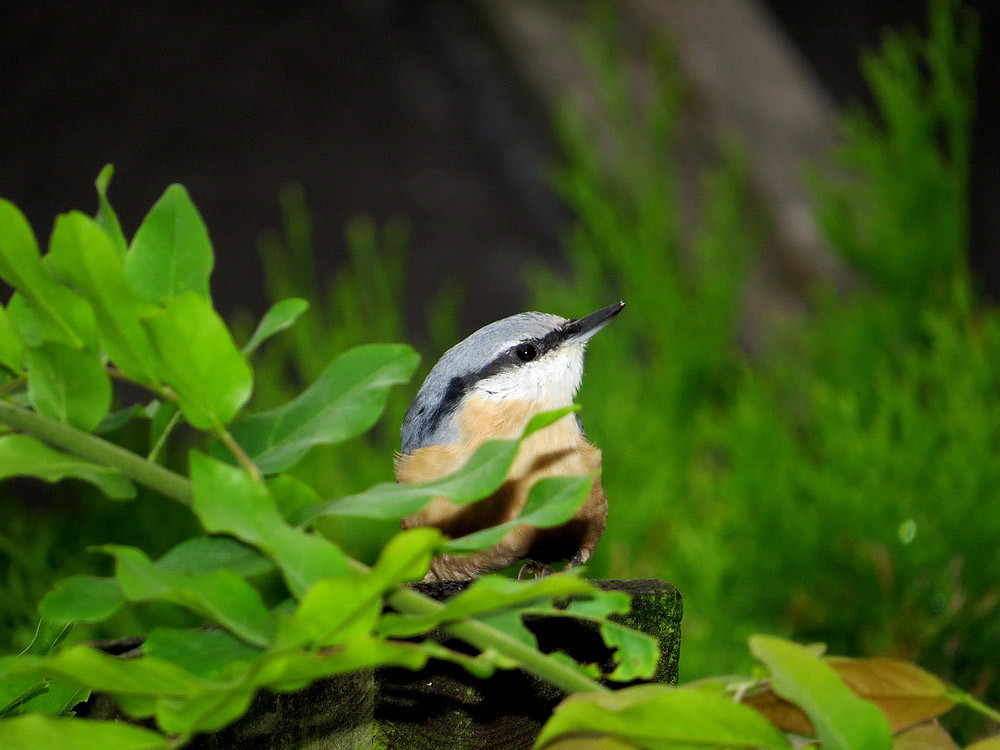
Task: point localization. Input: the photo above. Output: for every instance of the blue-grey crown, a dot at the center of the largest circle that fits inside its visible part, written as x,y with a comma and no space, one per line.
428,420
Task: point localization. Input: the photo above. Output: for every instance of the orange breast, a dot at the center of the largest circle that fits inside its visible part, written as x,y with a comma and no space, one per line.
557,450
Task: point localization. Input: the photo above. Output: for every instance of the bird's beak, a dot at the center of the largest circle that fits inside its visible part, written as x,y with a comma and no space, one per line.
578,331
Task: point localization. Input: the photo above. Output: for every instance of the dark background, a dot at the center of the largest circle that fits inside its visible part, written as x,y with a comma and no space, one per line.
390,108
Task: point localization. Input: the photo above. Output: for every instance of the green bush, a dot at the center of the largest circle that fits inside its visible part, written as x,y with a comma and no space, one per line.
287,605
841,486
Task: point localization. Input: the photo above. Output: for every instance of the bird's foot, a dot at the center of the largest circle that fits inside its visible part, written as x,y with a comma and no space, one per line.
535,570
578,559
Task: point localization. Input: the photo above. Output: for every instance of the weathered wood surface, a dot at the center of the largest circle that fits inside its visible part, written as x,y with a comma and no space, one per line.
440,706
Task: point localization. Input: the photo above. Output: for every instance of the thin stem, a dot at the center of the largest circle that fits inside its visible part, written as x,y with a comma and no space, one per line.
161,441
179,488
237,450
98,450
960,696
12,385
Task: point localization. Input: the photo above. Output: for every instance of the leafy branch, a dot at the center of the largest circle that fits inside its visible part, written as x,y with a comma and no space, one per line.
100,309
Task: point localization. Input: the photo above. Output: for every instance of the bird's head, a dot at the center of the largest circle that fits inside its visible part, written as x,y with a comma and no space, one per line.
529,357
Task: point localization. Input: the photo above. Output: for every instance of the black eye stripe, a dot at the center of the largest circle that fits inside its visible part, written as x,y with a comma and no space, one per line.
509,359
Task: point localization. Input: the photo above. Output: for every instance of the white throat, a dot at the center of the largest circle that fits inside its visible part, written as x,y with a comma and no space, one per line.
551,381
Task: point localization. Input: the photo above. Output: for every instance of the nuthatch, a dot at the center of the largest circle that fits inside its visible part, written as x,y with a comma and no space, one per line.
487,388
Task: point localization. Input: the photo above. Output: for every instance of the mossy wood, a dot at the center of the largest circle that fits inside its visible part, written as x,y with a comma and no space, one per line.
441,705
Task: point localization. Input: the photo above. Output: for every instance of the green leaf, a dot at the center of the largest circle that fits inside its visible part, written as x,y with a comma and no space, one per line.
345,400
11,346
82,598
636,653
205,710
36,732
482,665
600,605
487,594
511,622
228,501
56,700
219,594
48,636
291,494
199,360
106,216
68,384
58,314
336,610
843,720
658,717
333,611
28,694
26,324
23,455
170,253
205,553
481,475
551,501
205,653
87,667
281,316
214,705
16,691
19,694
407,556
83,254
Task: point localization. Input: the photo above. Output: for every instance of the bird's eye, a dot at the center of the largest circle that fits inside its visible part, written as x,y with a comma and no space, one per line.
526,352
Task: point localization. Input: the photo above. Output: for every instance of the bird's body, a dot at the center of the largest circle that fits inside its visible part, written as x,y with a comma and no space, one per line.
487,388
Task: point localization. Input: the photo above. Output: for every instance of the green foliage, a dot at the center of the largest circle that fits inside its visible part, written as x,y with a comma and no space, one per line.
85,256
328,614
82,599
199,361
480,476
656,716
363,303
551,501
303,558
828,487
343,402
901,219
842,719
37,732
171,253
795,697
280,317
68,384
22,455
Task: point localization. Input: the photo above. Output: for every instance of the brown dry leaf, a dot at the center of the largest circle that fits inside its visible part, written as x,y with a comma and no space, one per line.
927,736
905,693
785,715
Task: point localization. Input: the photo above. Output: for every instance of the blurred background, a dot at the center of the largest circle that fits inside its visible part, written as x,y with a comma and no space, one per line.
797,200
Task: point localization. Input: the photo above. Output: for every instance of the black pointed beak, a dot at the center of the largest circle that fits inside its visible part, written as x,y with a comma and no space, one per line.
580,330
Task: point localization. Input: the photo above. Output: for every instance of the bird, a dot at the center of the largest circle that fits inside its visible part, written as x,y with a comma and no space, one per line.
487,387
